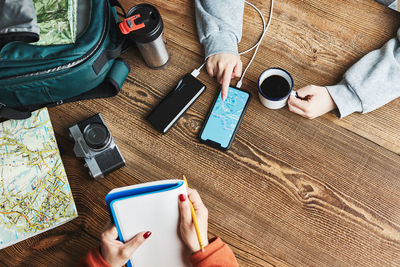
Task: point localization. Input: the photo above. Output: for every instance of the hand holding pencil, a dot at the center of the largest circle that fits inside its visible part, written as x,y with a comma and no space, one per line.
187,227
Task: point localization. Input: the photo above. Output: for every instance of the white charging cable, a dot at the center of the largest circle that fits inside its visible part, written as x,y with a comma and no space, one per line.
263,23
196,72
239,83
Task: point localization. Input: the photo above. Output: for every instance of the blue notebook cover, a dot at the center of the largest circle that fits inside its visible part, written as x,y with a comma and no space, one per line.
138,191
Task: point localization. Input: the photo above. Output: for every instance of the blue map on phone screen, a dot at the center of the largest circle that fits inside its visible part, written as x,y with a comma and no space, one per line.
224,117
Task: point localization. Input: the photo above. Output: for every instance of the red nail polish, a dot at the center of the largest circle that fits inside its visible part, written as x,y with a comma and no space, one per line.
147,234
182,197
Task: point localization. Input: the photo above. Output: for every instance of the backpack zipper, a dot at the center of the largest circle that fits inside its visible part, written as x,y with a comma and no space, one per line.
77,62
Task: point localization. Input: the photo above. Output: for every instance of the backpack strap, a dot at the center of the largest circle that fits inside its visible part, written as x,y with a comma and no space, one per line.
116,3
122,42
109,87
107,55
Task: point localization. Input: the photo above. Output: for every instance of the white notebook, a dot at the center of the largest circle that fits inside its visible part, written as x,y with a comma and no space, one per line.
151,207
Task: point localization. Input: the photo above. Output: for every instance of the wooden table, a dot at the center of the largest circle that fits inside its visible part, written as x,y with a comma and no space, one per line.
290,191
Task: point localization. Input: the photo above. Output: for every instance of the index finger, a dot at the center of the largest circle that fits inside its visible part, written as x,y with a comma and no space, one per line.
226,80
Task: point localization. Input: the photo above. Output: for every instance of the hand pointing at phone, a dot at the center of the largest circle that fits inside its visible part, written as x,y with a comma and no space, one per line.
224,67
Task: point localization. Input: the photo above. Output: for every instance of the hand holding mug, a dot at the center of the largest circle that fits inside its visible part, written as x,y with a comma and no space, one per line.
312,101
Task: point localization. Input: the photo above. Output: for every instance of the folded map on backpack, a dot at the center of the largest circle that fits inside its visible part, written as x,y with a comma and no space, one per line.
57,20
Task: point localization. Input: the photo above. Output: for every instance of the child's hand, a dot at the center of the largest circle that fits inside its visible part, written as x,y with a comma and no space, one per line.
116,253
315,102
224,67
188,231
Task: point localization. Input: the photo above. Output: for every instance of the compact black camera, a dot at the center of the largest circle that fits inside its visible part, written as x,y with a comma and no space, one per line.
94,143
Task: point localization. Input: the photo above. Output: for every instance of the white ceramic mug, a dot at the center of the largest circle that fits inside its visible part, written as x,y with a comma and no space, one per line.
274,103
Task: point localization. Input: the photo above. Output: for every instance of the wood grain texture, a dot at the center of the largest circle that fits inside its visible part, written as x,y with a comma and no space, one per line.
290,191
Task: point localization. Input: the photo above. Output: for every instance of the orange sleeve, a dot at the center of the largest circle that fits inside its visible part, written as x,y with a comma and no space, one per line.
93,259
217,253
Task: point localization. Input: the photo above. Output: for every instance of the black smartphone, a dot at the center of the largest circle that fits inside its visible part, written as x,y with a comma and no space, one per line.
224,118
171,108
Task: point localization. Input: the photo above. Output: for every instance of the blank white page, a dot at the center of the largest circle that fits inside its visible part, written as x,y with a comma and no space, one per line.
158,213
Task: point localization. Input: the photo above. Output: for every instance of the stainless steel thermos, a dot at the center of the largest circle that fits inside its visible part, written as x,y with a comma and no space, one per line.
149,39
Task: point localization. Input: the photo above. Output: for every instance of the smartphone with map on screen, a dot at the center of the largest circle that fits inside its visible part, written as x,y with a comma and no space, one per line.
224,118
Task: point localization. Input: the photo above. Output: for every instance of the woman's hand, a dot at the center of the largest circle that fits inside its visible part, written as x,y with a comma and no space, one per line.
188,231
117,253
225,67
314,101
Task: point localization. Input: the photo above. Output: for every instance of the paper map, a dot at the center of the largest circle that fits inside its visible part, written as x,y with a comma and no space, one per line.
34,192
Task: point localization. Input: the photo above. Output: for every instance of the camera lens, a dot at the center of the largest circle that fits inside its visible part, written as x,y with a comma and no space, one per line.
96,135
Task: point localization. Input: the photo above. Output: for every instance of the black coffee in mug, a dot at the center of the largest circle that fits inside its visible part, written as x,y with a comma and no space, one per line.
275,86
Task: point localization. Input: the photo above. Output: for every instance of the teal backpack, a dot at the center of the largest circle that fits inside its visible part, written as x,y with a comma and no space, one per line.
34,76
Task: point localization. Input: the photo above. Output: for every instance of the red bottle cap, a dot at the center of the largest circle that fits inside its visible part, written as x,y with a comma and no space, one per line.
128,25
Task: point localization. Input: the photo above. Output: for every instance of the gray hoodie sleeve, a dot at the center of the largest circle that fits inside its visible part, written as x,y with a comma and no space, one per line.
219,25
371,82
